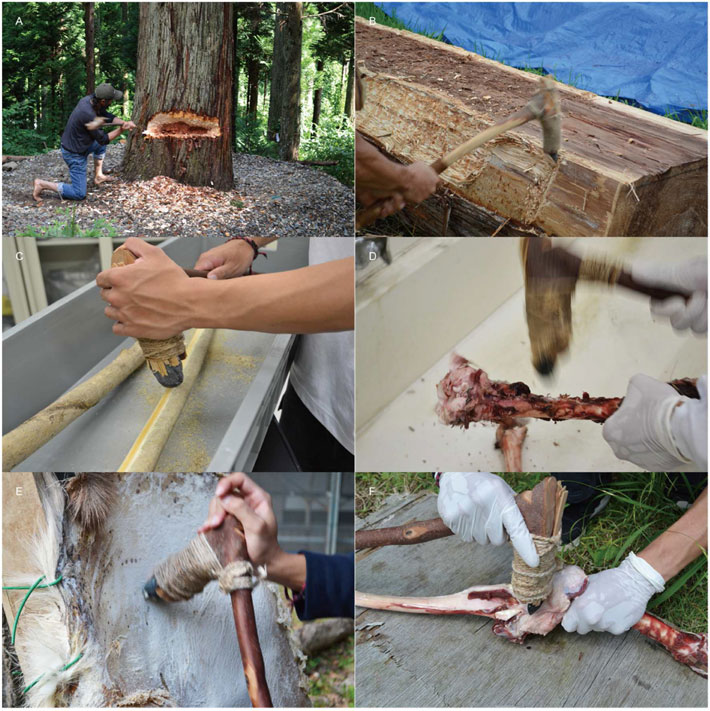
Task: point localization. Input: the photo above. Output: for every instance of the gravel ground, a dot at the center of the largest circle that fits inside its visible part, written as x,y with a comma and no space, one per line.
270,198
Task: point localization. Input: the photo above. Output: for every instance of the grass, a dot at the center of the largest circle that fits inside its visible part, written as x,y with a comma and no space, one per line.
639,510
369,9
698,119
329,675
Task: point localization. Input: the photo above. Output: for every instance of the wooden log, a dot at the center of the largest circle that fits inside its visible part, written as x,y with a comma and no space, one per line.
415,532
28,437
622,171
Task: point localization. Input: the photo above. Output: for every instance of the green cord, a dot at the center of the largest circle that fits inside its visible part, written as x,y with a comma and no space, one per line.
27,587
22,605
64,668
30,589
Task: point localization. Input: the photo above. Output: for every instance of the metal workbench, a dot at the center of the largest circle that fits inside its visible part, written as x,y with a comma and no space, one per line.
227,415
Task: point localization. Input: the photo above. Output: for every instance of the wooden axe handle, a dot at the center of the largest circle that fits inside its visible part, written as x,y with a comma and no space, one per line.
368,215
229,544
655,292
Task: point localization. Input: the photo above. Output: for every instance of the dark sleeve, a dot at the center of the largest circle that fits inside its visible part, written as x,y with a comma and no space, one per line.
107,115
100,136
330,586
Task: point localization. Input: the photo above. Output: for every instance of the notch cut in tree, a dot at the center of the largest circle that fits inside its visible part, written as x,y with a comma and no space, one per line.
181,125
184,95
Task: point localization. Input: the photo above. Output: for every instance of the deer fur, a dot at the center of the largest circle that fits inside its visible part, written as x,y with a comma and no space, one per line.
91,496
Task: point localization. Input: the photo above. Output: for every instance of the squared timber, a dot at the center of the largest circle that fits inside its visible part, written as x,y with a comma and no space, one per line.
621,171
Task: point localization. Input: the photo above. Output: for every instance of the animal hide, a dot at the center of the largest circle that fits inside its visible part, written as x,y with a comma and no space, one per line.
138,653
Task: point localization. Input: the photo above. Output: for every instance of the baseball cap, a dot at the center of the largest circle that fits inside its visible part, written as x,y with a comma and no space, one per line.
106,91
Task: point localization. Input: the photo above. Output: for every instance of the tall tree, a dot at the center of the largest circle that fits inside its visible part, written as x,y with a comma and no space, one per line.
254,14
89,45
183,99
348,111
291,103
277,74
317,98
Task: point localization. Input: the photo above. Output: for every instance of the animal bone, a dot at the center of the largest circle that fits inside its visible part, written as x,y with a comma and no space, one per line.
514,621
510,441
466,394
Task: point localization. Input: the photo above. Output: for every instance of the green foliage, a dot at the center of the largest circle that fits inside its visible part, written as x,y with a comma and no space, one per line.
66,226
332,142
44,72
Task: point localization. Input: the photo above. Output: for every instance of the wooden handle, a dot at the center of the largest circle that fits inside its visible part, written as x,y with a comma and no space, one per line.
368,215
229,544
655,292
541,508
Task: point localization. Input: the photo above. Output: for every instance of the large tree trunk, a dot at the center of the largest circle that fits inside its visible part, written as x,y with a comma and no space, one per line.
235,71
124,83
277,71
183,101
89,39
317,99
291,107
252,86
348,110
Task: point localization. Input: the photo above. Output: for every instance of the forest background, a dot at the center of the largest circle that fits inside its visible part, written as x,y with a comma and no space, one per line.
56,53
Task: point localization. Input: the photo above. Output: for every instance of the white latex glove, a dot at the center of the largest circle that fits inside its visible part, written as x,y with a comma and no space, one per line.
481,506
691,276
640,430
689,426
615,599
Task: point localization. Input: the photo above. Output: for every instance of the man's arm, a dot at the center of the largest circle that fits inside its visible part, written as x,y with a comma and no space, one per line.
682,543
154,298
378,177
313,299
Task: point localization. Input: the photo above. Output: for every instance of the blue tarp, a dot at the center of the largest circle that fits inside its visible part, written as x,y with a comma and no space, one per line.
655,54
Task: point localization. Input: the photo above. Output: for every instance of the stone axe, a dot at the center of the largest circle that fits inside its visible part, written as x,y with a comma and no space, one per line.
544,106
185,573
551,274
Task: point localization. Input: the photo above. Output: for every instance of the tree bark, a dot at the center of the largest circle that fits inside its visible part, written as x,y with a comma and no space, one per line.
89,41
291,107
348,109
183,101
277,70
317,99
124,83
252,86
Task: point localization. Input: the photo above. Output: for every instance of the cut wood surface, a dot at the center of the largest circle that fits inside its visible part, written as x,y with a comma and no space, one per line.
452,660
621,170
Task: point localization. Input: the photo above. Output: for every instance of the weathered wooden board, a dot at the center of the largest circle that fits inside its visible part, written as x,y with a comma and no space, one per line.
621,170
433,660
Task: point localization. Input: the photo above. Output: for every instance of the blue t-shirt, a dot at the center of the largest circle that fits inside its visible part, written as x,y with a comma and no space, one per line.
330,586
76,137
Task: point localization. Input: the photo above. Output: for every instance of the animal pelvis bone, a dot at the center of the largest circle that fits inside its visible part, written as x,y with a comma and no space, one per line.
514,620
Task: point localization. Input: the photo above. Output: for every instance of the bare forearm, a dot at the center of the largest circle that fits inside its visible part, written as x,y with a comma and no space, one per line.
314,299
287,569
682,543
115,133
375,172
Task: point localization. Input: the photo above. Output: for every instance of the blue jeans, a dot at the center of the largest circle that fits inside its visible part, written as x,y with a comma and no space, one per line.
76,190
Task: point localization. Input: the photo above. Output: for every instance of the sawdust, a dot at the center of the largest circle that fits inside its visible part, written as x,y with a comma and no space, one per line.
228,364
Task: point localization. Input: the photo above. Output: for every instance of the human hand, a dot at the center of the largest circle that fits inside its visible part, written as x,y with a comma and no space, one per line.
231,259
129,125
419,182
482,506
640,430
690,276
615,599
251,506
149,298
387,206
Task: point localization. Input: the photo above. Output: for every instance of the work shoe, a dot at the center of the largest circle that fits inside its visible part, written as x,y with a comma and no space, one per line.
575,518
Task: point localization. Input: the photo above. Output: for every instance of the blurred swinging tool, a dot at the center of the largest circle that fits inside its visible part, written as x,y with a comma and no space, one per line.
163,356
551,275
544,107
219,554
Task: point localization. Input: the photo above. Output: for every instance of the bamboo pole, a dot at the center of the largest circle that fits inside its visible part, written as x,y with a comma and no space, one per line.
144,454
32,434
